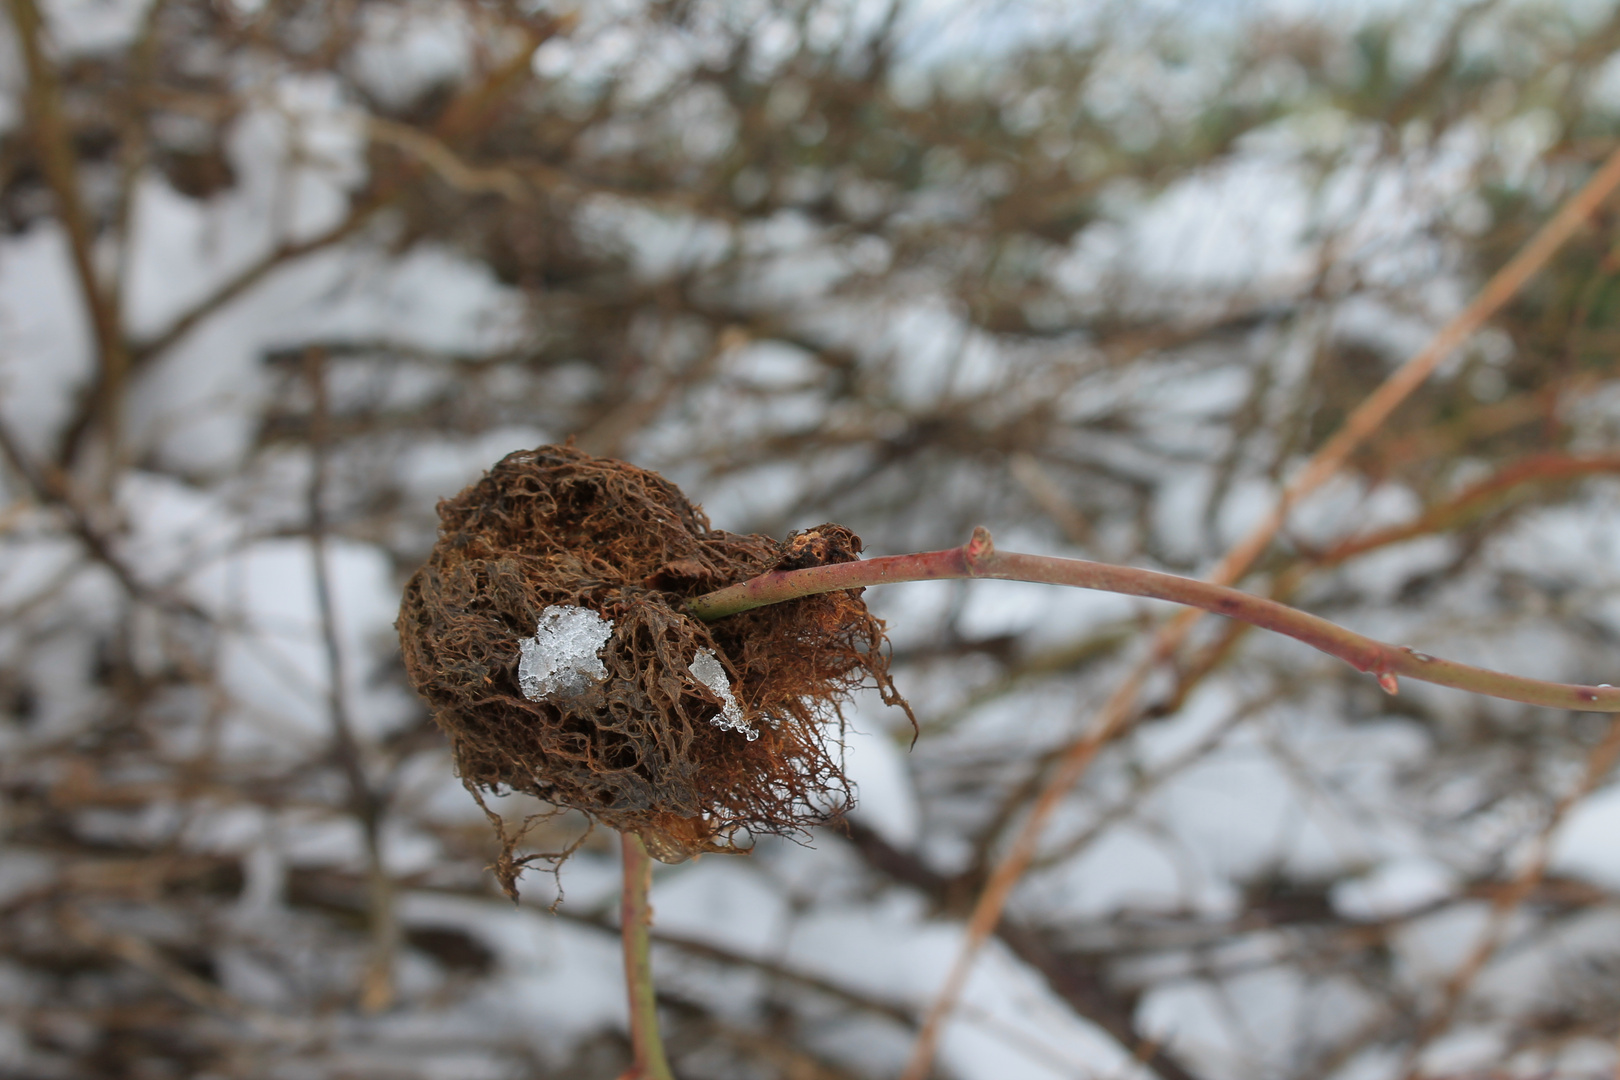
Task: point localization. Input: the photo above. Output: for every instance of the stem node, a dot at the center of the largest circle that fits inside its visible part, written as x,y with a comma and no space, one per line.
980,548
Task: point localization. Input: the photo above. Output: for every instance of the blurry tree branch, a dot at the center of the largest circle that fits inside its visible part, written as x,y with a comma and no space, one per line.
1074,978
141,954
367,804
1506,901
53,488
473,108
51,133
1116,715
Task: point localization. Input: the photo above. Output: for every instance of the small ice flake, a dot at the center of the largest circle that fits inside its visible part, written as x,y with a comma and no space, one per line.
562,657
706,669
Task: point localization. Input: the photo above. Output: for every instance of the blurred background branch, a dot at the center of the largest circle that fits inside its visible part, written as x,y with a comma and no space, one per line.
1102,278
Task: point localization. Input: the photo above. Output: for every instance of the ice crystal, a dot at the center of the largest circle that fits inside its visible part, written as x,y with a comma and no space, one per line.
562,657
707,670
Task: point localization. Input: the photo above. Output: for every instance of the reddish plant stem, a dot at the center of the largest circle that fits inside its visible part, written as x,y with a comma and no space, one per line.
635,919
978,558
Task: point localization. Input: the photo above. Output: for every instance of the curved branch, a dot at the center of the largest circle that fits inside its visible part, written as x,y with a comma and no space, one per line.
54,139
978,558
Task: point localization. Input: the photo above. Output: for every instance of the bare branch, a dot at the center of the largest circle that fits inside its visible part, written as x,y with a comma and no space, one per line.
50,131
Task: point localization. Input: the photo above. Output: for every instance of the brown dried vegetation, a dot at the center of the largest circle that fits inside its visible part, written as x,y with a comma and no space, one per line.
558,526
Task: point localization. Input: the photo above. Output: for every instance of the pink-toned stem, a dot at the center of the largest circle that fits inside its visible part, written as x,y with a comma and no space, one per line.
978,558
635,917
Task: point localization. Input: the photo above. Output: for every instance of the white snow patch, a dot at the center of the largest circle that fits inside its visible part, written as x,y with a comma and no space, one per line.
1011,1026
78,27
45,346
1585,845
1431,947
563,657
887,800
1122,870
1463,1052
272,660
22,871
558,982
726,902
404,52
1394,889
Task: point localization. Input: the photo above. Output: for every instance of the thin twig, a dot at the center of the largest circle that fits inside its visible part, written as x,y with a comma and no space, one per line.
147,351
1505,903
50,132
377,987
135,153
1073,976
1487,495
50,485
187,986
978,558
876,1006
446,164
635,920
1475,500
1151,782
1118,712
460,119
1039,484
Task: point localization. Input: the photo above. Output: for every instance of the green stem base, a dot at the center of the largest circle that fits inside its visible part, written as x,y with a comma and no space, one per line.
635,915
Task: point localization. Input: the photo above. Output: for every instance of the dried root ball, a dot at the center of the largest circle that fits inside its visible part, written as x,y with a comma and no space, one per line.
641,748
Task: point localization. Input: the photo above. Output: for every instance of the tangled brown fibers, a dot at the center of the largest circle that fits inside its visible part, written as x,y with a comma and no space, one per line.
638,751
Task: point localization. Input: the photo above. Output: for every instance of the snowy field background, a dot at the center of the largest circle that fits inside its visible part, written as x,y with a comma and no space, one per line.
276,276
